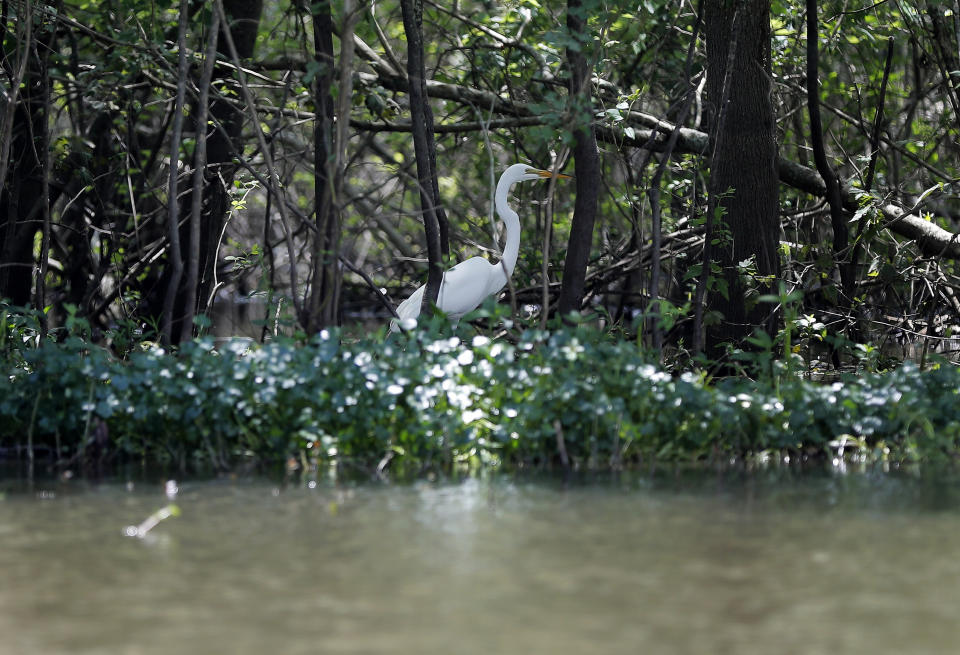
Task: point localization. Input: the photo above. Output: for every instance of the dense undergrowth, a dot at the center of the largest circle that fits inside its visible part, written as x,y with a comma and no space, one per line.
575,397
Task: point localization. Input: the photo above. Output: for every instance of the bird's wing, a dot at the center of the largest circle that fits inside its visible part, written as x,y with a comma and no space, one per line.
409,308
467,285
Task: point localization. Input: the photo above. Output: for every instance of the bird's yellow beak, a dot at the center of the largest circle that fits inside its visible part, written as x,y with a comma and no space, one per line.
548,174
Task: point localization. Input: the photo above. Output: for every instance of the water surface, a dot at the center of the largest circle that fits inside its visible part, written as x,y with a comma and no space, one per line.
671,563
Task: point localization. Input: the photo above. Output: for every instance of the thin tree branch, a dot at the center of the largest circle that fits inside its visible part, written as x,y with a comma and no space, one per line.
46,158
874,154
830,179
199,175
173,217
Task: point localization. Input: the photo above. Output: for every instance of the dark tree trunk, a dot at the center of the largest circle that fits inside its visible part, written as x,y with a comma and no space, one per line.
743,173
321,306
422,123
586,165
838,217
200,179
175,261
21,199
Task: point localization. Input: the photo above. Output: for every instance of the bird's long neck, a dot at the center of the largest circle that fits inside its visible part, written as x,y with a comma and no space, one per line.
511,248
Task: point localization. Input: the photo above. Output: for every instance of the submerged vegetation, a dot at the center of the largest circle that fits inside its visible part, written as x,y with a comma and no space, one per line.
574,397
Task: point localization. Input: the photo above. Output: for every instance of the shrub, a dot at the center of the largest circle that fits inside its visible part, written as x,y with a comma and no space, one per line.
434,401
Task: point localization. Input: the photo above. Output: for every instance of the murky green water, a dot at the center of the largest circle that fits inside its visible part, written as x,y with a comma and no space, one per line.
711,564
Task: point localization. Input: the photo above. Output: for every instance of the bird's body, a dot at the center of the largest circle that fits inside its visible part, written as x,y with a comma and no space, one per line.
466,285
473,280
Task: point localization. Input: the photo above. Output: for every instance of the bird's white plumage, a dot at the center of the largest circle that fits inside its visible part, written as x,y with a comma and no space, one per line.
466,285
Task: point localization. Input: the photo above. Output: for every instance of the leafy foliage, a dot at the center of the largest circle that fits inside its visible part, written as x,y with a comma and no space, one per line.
429,401
112,76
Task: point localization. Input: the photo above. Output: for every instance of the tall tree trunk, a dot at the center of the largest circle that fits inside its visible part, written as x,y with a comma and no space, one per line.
324,258
422,124
743,172
200,179
586,165
323,304
838,218
173,202
24,138
222,146
45,203
340,138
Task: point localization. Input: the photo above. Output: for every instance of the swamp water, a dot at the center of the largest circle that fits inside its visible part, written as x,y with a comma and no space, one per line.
771,563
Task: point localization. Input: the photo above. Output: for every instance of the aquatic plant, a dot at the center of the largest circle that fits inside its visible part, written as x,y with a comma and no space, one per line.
572,397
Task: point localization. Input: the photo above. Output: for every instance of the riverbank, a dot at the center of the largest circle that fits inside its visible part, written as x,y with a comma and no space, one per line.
569,399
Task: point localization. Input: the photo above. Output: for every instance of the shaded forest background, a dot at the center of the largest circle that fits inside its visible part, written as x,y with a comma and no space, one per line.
161,159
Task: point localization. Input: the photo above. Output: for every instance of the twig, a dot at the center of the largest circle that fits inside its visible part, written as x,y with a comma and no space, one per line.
366,278
878,119
25,36
45,158
391,56
504,41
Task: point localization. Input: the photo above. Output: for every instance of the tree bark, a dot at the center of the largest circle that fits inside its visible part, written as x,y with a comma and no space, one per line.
324,258
200,179
323,304
743,174
586,165
25,125
341,137
45,159
422,124
838,219
173,217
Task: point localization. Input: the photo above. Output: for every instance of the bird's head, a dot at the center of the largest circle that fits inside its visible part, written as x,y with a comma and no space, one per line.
523,172
530,173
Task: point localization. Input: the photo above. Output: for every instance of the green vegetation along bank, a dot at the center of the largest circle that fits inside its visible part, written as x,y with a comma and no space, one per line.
568,398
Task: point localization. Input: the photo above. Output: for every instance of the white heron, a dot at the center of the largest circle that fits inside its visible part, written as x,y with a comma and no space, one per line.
470,282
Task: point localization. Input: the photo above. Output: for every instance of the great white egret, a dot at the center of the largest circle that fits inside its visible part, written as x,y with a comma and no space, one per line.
468,283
